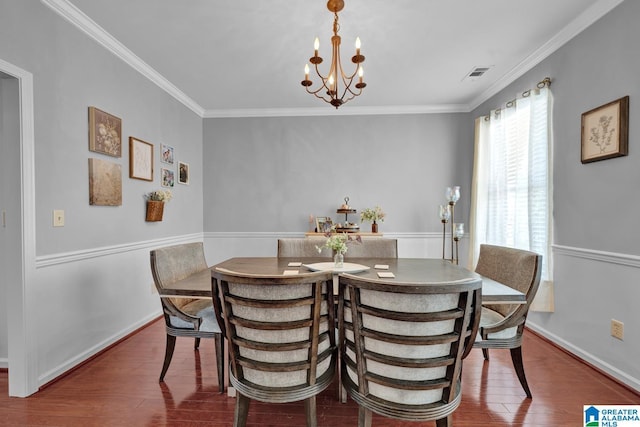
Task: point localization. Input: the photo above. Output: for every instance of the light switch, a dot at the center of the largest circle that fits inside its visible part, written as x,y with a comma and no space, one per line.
58,218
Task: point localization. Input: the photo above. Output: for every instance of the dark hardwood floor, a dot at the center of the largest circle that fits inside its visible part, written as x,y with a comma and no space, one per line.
120,388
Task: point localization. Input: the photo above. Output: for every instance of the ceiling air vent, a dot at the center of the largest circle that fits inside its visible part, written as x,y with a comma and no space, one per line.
476,73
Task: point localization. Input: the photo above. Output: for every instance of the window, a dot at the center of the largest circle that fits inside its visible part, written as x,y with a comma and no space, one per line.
511,194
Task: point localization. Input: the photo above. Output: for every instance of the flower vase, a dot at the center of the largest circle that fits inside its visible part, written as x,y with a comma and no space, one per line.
338,260
155,208
374,227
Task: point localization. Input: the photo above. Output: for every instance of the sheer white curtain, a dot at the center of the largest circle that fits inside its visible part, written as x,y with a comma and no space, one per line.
511,193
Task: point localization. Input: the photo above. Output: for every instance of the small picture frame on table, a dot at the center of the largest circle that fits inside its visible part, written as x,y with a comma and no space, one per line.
605,131
323,224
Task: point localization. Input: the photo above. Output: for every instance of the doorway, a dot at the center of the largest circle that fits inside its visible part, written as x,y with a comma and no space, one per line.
17,225
9,201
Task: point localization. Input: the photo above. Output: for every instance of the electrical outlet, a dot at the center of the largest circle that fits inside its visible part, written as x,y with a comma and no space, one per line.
617,329
58,218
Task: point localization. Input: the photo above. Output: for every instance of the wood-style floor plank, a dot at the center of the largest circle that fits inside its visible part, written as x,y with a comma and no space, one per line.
120,388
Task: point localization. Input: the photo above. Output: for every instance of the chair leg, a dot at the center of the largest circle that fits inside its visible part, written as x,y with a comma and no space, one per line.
241,411
196,345
364,417
485,353
168,354
219,361
310,411
445,422
516,358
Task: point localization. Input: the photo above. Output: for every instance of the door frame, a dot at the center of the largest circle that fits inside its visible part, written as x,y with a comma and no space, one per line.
22,336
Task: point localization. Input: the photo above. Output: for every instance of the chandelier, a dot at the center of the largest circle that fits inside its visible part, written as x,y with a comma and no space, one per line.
337,87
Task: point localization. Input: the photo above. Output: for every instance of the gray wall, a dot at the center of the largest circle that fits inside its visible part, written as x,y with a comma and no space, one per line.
596,208
270,174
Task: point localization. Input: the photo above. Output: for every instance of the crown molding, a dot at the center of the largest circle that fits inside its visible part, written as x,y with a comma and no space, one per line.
344,111
88,26
575,27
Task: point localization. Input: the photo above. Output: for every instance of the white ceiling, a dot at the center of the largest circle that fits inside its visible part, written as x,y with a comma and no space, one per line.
246,57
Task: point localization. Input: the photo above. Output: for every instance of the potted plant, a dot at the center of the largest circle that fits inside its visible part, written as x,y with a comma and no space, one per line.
155,204
373,215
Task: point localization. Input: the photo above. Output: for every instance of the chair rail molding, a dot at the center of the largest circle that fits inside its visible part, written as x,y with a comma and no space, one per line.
596,255
67,257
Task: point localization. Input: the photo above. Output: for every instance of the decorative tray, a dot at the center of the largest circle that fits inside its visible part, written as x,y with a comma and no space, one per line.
347,267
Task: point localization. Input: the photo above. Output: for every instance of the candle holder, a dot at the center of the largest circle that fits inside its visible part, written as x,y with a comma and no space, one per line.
445,214
452,195
457,235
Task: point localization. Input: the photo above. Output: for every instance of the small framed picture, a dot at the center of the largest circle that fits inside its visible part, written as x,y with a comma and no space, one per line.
140,159
605,131
183,173
323,224
166,152
105,133
168,177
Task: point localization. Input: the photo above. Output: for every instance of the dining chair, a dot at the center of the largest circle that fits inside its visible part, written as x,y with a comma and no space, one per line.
502,325
402,345
281,334
303,248
186,317
373,248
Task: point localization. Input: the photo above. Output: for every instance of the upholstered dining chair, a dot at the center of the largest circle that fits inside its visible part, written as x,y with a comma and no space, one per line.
281,334
376,247
303,248
402,345
502,325
186,317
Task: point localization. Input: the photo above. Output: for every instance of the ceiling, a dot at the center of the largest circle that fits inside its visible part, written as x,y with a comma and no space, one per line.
246,57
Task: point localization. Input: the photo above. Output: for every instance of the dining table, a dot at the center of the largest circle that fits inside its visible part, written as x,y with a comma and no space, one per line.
419,271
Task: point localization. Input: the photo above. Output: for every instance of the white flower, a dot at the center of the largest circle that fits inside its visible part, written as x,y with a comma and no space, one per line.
160,195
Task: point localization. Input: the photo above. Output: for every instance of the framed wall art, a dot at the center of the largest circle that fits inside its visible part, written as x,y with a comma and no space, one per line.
105,133
166,152
167,177
605,131
140,159
183,173
105,183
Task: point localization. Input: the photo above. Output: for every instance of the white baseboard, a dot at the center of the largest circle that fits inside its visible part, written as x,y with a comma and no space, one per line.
587,357
79,358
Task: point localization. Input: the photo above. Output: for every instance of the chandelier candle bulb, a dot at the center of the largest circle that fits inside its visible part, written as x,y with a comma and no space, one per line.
306,71
316,46
357,45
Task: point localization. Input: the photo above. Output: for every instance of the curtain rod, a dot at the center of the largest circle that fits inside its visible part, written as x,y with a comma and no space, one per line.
546,82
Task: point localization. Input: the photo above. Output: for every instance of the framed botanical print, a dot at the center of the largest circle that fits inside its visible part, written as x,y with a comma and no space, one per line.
605,131
140,159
